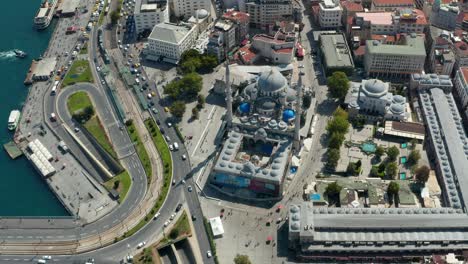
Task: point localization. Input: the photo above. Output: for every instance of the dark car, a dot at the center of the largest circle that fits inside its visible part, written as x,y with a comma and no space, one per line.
193,218
157,122
178,207
162,131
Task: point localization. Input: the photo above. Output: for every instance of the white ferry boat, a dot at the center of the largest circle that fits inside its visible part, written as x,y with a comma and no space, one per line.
45,13
13,119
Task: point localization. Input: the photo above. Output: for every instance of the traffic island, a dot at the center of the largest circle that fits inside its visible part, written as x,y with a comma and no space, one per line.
80,71
140,149
120,185
166,158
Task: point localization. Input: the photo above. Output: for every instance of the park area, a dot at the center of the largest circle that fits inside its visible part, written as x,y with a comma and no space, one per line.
80,71
121,184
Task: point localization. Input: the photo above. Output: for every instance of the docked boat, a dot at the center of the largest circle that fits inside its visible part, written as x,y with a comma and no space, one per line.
13,119
20,53
45,13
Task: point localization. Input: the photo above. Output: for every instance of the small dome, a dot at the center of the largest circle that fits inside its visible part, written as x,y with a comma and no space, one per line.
294,209
271,81
261,131
288,114
291,95
397,108
267,104
244,107
398,99
201,13
374,88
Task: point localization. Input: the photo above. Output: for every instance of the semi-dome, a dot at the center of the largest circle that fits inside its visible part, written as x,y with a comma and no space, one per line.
398,99
244,107
288,114
397,108
271,81
266,104
374,88
201,13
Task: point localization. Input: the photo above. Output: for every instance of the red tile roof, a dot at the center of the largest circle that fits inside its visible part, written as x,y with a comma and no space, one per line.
464,71
237,16
245,54
352,6
350,20
283,50
360,51
393,2
267,38
462,48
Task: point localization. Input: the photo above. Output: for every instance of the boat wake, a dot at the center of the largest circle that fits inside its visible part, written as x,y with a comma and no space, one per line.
7,55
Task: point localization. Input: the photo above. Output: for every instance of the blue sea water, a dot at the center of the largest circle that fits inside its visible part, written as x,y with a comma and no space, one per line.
22,191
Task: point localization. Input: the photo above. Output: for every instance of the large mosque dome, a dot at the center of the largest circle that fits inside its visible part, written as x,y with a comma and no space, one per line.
271,81
374,88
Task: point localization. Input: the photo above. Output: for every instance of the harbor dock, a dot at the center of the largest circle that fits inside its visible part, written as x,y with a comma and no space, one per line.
12,150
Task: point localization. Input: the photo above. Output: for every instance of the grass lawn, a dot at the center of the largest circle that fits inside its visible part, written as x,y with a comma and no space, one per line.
122,187
146,257
94,126
183,227
79,72
165,154
101,17
141,151
84,49
78,101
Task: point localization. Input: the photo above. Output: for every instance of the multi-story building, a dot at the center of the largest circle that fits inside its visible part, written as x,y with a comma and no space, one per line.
366,24
424,82
444,15
461,91
460,48
349,9
241,20
168,41
222,38
264,13
187,8
330,14
278,49
400,60
391,5
148,14
335,53
440,59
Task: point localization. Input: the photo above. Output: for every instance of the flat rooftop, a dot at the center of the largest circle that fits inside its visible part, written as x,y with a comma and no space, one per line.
413,45
69,6
168,32
45,66
336,51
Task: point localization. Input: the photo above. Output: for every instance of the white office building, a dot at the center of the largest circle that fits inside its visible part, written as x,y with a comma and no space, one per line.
267,12
187,8
401,60
330,14
148,14
168,41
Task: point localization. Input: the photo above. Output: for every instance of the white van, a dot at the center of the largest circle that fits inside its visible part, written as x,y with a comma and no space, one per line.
176,146
54,90
53,117
137,80
41,261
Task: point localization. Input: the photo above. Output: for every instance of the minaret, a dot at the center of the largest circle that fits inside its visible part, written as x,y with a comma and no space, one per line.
297,121
228,96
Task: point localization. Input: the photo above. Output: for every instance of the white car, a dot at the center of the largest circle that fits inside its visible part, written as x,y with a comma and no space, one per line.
171,147
98,69
47,257
184,157
120,47
301,66
156,215
154,110
141,244
168,139
169,124
166,223
208,254
172,217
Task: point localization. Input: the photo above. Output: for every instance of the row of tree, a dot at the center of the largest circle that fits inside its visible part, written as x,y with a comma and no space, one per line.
337,127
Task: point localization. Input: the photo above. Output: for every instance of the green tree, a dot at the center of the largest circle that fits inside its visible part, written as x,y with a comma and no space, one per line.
201,99
374,172
422,174
413,157
242,259
114,15
192,85
340,112
174,233
116,184
177,109
129,122
173,89
195,113
336,140
393,188
379,151
391,170
338,84
333,189
338,125
392,153
333,157
351,169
